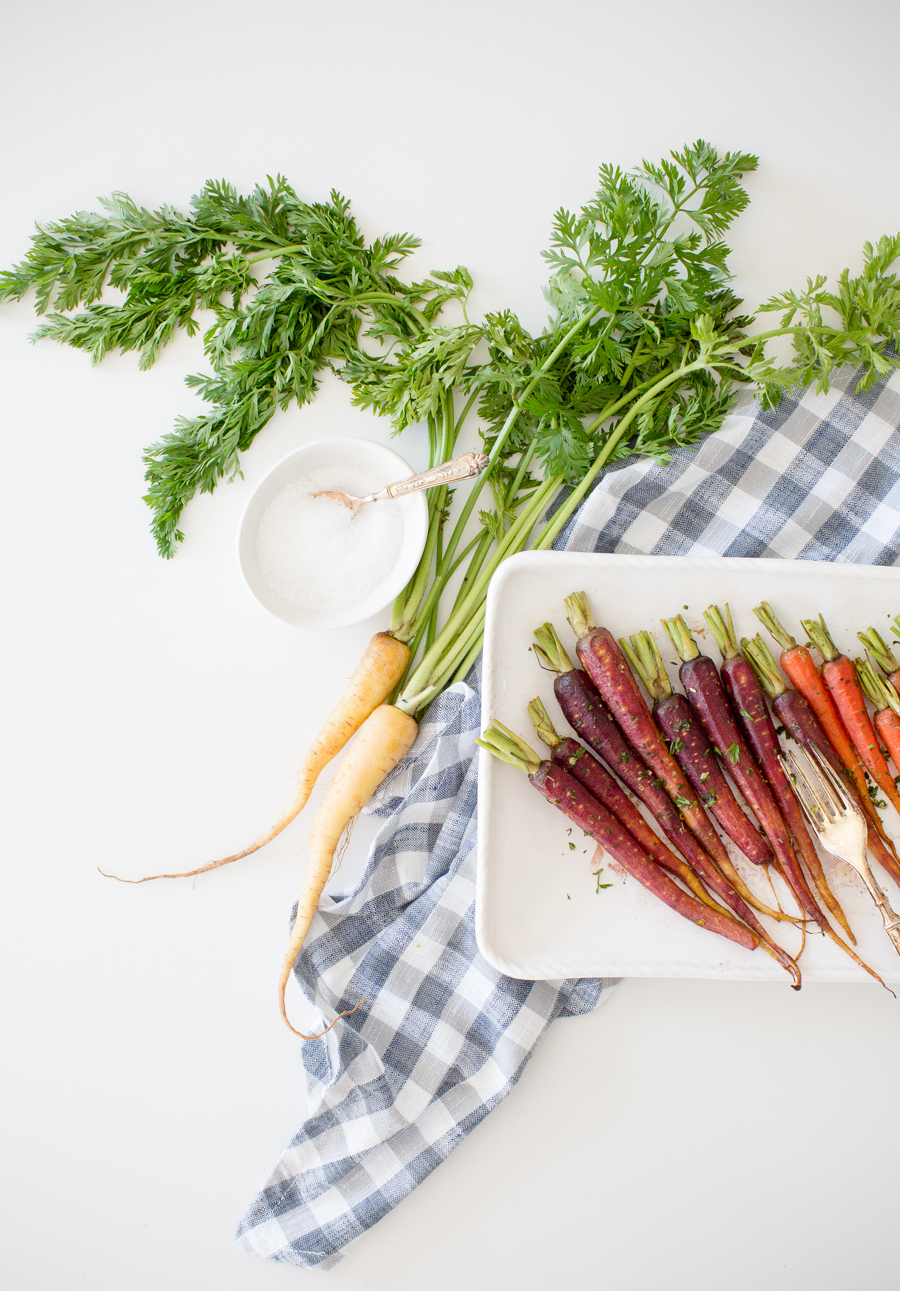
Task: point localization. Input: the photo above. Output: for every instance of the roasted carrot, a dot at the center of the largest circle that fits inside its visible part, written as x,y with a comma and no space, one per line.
591,772
800,721
706,693
603,660
565,792
376,675
839,675
384,738
690,746
801,671
887,708
589,717
748,702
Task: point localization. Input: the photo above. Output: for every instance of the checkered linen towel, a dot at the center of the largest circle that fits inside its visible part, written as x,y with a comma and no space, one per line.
442,1037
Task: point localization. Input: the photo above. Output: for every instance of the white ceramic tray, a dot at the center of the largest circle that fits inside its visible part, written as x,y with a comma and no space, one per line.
538,913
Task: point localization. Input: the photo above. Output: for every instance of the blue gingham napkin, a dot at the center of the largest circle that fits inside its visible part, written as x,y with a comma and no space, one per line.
441,1036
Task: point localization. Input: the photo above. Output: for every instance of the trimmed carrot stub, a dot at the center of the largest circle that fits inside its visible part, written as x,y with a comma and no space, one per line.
801,671
887,708
384,738
839,675
799,719
589,717
882,654
375,677
590,772
748,701
565,792
603,660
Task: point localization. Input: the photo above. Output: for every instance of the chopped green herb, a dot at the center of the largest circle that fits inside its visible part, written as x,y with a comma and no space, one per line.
682,803
600,886
734,754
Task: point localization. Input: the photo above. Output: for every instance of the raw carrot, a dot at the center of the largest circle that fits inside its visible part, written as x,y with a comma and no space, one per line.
839,675
376,675
384,738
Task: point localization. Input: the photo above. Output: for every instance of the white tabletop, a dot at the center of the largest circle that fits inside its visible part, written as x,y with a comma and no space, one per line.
688,1135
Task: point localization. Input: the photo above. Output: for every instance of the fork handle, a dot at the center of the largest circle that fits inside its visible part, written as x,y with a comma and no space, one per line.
889,916
460,468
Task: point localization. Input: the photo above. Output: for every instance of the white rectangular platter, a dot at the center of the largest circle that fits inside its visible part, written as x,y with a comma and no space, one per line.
539,914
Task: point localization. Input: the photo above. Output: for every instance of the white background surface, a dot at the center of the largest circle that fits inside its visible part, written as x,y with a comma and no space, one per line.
687,1135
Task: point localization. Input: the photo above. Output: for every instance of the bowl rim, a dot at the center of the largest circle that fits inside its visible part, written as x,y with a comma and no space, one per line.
415,507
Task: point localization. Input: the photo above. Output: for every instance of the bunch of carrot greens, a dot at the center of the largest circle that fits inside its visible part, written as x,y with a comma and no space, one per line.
641,352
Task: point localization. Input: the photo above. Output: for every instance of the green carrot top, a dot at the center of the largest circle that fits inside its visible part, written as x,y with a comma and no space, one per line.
876,688
679,634
542,723
757,653
817,631
879,650
579,614
506,745
550,650
641,652
722,629
766,616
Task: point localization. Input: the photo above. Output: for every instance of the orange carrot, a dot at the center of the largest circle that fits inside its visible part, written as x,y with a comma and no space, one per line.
887,708
803,674
376,675
839,675
384,738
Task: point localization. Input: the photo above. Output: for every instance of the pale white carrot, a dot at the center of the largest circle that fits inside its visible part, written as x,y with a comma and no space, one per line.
376,675
383,739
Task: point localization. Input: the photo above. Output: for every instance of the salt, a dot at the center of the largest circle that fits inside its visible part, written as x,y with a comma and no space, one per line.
315,554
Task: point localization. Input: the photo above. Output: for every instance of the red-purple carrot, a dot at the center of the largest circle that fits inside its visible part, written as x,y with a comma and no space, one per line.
602,785
589,717
689,744
749,704
705,692
800,720
574,801
603,660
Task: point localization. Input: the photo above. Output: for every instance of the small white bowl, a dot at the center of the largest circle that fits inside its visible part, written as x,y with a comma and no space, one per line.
362,454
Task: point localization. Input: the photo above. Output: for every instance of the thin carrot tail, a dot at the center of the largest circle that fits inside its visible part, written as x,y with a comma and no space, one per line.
384,738
375,676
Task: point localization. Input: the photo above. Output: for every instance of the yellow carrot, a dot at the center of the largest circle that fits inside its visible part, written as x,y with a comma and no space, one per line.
383,739
376,675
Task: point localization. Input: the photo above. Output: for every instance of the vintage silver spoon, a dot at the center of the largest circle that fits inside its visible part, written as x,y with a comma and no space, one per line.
460,468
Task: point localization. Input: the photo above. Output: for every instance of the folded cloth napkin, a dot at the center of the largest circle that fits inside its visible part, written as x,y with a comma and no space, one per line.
441,1036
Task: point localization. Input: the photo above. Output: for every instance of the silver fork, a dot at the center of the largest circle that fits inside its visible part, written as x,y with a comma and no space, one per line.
838,823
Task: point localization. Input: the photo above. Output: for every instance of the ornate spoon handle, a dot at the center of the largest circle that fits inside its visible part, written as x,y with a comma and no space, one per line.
460,468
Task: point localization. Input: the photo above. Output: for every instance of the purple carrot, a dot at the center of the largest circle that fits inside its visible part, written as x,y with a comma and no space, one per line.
589,717
601,657
707,697
704,689
574,801
692,750
599,782
748,702
799,718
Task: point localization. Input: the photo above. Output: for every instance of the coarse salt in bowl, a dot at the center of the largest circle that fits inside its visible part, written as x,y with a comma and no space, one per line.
310,561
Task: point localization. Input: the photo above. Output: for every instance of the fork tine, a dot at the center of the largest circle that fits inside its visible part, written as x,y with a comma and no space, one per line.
839,788
805,787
